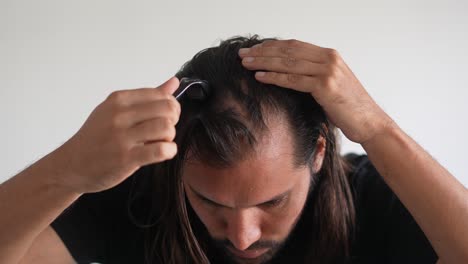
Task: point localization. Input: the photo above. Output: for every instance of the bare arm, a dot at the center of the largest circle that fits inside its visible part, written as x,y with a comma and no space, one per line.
47,248
437,201
29,202
130,129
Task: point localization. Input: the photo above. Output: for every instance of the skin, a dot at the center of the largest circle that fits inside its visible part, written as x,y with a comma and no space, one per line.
256,201
133,128
440,205
129,129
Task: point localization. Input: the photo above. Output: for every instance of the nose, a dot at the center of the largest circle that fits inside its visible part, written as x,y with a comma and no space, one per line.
243,229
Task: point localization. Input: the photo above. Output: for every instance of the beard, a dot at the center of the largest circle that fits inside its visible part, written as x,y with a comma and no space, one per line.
220,247
223,245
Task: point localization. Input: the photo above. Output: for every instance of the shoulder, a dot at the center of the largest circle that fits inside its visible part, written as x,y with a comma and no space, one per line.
367,185
105,226
374,201
385,229
361,171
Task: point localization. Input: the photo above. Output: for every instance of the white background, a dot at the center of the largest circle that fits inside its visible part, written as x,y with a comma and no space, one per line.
59,59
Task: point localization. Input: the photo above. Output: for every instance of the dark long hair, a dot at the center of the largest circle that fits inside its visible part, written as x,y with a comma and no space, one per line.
219,130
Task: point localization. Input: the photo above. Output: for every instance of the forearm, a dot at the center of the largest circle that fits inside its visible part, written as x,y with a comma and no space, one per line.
29,202
437,201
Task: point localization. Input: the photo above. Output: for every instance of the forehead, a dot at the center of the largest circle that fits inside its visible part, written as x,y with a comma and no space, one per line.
267,171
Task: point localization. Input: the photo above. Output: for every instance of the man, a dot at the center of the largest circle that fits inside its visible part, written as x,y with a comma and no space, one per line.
249,173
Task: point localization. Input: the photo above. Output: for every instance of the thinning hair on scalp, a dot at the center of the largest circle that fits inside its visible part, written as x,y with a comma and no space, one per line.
220,130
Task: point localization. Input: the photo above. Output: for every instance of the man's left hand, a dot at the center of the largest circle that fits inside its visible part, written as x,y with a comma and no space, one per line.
322,73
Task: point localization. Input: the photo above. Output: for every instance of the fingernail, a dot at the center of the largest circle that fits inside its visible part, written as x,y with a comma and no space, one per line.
244,51
260,74
248,59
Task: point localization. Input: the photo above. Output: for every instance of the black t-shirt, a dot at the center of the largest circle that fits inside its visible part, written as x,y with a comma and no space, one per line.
98,227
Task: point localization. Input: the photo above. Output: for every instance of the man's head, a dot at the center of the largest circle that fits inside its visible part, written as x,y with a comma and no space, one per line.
250,207
251,156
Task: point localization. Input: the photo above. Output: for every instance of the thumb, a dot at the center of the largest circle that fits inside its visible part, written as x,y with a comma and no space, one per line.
169,86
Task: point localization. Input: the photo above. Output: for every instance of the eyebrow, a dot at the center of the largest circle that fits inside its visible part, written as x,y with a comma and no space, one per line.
275,198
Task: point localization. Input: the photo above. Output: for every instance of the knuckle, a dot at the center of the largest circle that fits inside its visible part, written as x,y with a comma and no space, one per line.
117,97
293,78
173,105
163,96
163,151
171,133
289,62
164,124
293,43
168,128
267,43
258,49
276,77
286,50
328,83
162,127
271,76
333,55
166,96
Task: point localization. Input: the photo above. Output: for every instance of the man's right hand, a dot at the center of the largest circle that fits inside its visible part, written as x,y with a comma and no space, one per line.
130,129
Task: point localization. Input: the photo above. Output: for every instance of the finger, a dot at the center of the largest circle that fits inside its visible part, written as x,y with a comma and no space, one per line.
136,96
158,129
168,108
312,55
155,152
284,65
302,83
293,43
170,86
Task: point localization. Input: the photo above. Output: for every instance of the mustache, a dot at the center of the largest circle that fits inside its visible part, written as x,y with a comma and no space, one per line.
261,244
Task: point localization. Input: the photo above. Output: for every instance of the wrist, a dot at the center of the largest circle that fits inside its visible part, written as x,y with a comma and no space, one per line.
56,173
388,130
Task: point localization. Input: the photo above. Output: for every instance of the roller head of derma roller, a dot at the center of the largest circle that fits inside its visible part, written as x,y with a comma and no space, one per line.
195,89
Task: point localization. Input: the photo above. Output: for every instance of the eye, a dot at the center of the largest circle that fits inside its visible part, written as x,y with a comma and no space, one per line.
207,202
276,202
